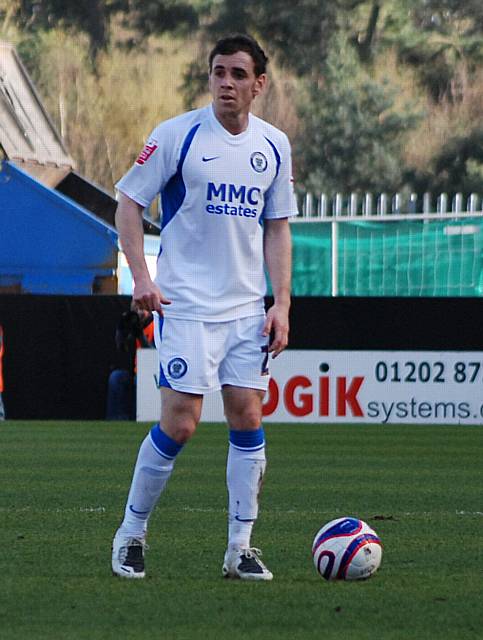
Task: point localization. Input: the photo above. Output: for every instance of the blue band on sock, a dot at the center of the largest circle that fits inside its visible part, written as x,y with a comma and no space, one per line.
247,440
164,445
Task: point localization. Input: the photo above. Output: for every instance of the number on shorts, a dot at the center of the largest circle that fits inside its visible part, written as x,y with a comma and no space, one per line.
264,350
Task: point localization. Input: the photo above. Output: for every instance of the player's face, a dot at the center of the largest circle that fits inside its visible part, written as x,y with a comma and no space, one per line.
233,84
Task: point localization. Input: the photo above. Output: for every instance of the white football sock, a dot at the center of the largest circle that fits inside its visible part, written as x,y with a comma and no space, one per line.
244,475
153,468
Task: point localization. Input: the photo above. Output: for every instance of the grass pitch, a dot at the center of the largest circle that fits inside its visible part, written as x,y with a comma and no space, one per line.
62,493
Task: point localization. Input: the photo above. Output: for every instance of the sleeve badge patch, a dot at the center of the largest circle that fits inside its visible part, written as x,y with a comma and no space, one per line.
149,148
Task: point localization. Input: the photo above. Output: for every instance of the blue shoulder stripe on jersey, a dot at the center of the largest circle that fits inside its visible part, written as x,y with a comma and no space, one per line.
173,194
186,145
277,155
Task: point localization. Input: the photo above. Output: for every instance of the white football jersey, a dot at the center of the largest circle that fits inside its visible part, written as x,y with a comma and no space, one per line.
216,189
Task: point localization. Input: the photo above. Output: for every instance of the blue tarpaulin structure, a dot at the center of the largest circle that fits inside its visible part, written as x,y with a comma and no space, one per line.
48,242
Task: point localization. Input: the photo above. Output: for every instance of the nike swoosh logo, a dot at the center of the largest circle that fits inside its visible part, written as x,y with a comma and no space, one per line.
206,159
141,513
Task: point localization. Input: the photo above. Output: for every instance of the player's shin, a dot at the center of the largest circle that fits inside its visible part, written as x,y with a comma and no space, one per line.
153,468
245,470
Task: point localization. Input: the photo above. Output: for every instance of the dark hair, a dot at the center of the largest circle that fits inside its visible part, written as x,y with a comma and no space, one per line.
241,42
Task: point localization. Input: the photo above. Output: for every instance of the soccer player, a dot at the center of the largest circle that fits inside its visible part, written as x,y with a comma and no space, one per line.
224,177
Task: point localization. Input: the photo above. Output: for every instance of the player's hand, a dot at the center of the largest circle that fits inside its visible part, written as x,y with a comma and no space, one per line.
148,296
277,323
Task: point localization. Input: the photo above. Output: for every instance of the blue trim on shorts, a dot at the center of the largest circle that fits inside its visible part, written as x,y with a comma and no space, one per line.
247,440
162,380
164,445
160,327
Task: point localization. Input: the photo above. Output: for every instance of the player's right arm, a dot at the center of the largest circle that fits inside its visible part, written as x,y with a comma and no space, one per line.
129,223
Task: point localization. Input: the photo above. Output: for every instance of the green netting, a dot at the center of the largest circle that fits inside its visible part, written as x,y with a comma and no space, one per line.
390,258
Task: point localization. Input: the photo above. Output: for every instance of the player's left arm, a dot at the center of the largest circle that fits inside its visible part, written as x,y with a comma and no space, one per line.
277,247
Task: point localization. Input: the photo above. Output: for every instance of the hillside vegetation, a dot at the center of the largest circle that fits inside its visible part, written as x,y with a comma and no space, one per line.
375,95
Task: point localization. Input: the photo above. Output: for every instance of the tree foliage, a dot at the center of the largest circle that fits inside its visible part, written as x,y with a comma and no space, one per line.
446,16
93,16
152,16
436,36
351,132
458,167
351,138
90,17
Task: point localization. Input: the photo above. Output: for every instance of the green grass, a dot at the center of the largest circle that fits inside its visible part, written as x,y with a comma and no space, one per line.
62,492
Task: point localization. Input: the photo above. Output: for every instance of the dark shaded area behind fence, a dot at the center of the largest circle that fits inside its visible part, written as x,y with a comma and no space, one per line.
59,350
58,354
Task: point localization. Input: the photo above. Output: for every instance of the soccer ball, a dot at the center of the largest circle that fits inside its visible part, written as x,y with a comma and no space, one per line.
346,549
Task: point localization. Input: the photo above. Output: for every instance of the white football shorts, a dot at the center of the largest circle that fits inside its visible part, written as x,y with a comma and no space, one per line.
200,357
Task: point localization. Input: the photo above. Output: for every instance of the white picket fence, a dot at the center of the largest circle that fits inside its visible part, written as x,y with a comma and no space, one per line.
323,206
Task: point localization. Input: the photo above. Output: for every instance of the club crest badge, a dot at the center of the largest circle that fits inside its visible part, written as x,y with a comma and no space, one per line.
258,161
177,367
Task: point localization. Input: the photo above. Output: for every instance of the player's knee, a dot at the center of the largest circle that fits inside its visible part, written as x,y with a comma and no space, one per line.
245,418
181,430
181,434
179,425
179,416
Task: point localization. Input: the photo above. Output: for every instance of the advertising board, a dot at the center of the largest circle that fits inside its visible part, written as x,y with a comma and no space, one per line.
381,387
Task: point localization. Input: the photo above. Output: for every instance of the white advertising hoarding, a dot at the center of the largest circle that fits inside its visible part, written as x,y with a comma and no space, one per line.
422,387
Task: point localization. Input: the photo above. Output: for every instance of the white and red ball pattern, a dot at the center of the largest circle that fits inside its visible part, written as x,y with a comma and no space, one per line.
346,549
